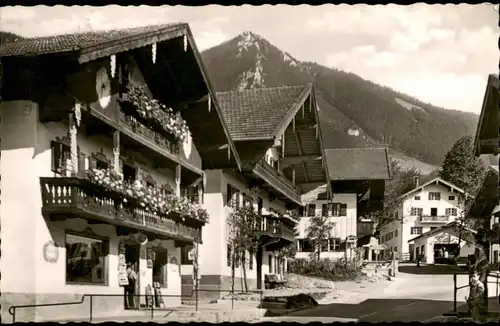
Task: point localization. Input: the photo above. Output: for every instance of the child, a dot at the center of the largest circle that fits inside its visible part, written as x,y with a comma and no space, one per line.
475,299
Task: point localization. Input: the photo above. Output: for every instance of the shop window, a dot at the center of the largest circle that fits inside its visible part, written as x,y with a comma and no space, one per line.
160,270
86,259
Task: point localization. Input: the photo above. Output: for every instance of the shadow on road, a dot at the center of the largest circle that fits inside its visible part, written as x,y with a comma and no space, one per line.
433,269
380,310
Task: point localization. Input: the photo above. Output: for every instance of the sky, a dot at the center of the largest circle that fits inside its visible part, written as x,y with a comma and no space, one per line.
441,54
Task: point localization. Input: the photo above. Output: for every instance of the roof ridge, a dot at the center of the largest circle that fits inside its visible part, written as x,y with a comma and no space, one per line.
30,38
264,88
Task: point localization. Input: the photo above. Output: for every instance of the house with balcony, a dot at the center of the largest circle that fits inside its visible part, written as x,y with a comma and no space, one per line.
278,139
487,141
105,136
357,178
427,207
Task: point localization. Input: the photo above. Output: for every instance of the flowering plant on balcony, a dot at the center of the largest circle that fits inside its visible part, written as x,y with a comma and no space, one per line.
107,178
152,109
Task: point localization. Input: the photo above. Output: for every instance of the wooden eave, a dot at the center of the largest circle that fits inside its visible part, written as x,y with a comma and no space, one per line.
106,49
487,197
433,181
487,134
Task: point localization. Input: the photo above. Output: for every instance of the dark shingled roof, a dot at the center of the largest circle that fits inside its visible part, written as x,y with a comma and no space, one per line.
256,113
358,163
79,41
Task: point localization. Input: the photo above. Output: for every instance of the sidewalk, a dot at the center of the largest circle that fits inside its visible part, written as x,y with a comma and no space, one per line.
214,313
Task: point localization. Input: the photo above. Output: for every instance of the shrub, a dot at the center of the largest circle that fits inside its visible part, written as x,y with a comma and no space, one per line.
338,270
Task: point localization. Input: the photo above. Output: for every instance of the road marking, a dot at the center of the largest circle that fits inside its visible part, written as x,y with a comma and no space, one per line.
385,310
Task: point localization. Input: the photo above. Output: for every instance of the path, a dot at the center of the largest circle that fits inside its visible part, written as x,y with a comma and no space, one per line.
419,294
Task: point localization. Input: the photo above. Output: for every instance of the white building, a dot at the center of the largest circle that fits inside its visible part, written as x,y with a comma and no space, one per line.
425,208
357,178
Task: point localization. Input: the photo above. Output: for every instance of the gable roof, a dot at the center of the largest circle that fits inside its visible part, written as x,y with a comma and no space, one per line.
436,181
487,110
358,164
439,229
258,113
97,44
90,41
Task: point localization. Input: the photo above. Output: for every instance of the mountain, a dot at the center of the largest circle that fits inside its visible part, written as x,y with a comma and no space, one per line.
354,112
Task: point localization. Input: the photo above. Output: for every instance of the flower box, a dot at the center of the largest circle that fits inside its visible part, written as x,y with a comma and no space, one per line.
152,113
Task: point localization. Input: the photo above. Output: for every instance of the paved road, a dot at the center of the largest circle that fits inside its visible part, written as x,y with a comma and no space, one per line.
420,294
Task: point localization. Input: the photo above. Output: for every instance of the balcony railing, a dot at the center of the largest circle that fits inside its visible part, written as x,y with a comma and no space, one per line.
79,196
277,180
273,227
439,218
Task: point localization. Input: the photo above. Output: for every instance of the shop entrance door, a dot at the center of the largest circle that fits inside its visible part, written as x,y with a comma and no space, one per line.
132,252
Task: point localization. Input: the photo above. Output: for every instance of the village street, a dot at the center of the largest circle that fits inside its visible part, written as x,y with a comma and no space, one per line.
417,294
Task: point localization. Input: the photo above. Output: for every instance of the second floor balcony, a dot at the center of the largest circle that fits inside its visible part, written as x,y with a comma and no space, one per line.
274,232
435,218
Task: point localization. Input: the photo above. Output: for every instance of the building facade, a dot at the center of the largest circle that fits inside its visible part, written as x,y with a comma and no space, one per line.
97,174
425,208
279,147
357,178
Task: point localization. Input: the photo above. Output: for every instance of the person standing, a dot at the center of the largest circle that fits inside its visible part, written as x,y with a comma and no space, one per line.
130,289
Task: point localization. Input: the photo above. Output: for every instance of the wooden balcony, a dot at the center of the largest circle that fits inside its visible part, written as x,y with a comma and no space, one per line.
434,219
277,181
72,197
274,231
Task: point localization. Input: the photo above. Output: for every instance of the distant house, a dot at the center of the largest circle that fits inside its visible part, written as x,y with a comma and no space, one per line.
278,139
425,208
357,177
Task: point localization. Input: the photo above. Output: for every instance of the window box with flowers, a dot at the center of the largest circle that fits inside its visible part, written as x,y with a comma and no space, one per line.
152,113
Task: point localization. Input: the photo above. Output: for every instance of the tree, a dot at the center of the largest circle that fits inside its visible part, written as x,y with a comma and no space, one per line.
319,231
242,223
461,167
466,171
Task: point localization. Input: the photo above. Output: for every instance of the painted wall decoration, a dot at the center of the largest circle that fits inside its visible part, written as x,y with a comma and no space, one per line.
149,257
50,252
122,270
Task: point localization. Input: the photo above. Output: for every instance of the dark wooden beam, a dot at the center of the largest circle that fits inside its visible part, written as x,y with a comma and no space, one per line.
296,160
299,148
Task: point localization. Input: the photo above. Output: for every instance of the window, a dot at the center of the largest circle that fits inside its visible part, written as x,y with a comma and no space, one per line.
416,230
396,214
434,196
451,212
185,255
85,259
306,245
160,270
311,209
416,211
339,209
129,172
417,197
259,206
232,196
301,211
334,244
495,256
61,157
396,233
434,211
451,197
324,210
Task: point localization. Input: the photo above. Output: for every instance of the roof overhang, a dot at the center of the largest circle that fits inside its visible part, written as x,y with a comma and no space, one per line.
436,181
487,134
449,226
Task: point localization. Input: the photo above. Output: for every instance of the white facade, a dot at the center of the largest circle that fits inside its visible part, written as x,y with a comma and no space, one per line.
419,212
344,225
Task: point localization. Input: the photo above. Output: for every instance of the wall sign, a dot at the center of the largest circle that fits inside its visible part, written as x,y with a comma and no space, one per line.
50,252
